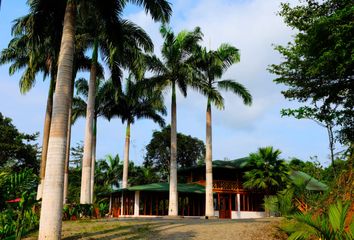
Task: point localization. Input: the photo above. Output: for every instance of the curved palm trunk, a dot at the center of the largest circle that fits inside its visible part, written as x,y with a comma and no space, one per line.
173,200
46,130
209,208
126,156
67,158
85,196
52,203
94,142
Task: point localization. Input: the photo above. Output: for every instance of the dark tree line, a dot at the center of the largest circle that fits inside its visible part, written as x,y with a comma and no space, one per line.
189,151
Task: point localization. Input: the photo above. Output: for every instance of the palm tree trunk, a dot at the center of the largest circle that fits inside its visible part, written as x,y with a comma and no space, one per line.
94,141
173,200
85,196
68,144
47,121
52,203
209,208
126,156
67,158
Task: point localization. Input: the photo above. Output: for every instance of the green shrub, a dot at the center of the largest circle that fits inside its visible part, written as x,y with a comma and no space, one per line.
7,224
280,204
330,226
86,210
103,208
77,211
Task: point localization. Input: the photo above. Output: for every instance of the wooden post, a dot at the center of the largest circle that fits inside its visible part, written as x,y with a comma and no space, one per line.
157,205
145,205
150,205
163,206
219,202
244,201
230,208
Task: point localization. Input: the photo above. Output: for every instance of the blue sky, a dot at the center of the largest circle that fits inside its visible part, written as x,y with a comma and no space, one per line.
250,25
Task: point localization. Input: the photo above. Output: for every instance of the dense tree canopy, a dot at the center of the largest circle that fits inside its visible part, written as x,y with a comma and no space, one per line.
189,151
16,150
319,65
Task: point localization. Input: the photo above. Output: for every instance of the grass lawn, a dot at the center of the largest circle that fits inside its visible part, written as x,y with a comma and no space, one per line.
170,229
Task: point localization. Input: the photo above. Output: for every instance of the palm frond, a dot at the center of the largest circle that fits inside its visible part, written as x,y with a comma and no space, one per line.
236,88
160,10
78,109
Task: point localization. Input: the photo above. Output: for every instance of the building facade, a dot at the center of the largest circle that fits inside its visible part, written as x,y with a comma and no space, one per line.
231,200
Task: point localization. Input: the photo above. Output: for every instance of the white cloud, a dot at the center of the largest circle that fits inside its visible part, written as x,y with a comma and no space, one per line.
252,26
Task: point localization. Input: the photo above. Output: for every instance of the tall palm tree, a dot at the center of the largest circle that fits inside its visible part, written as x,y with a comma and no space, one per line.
81,63
267,171
175,70
105,91
134,103
211,66
125,49
50,224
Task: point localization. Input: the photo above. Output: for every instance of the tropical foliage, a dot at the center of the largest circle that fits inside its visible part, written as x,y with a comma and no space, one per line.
320,55
158,152
267,171
17,216
17,150
175,71
211,65
137,101
330,226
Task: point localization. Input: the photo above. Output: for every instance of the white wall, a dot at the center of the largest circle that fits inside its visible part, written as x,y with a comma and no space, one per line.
245,214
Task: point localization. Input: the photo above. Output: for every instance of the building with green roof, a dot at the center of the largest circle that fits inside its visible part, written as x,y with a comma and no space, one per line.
231,200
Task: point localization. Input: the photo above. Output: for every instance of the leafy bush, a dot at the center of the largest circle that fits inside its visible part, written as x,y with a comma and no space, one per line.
330,226
19,217
103,208
86,210
77,211
7,223
280,204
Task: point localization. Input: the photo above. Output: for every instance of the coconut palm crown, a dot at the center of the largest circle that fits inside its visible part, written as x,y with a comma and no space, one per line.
211,65
137,101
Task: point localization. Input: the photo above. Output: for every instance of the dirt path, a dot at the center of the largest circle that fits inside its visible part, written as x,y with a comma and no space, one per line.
252,229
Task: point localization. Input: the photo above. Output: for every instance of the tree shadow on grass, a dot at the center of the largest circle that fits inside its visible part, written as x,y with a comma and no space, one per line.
148,232
135,231
151,229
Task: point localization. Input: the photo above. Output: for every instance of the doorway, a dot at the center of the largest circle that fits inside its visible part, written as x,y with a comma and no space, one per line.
224,206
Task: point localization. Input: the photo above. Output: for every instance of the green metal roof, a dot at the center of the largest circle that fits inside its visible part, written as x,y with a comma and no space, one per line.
236,164
164,187
239,163
311,183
